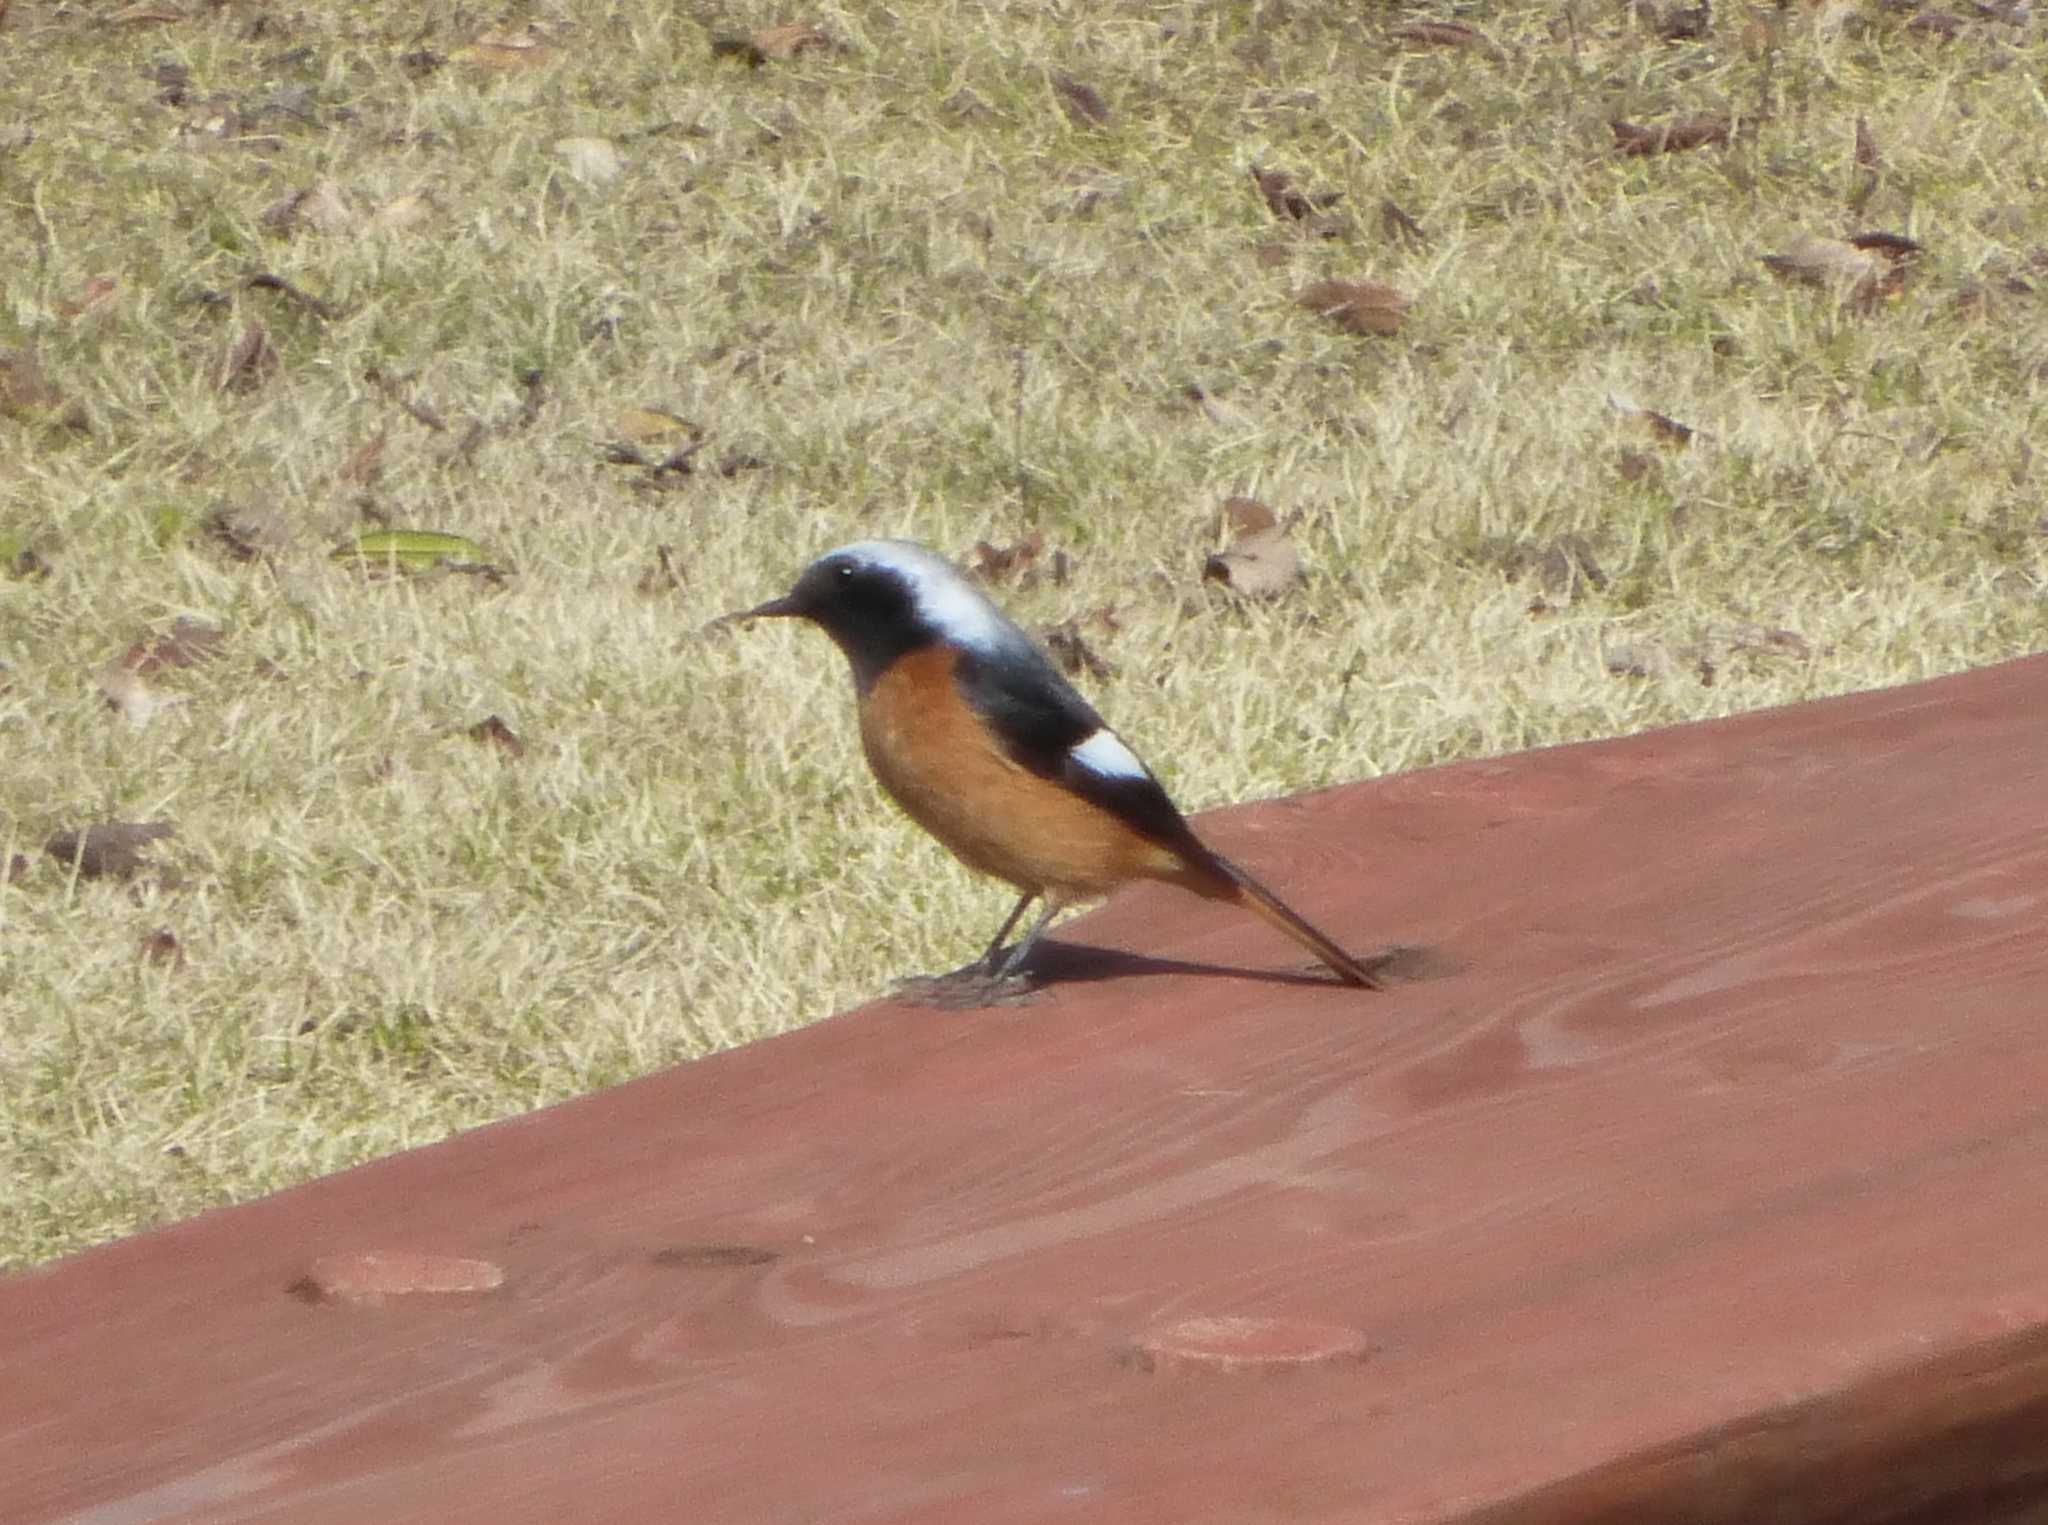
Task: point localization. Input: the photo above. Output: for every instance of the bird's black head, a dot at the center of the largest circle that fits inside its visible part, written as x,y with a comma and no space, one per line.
881,599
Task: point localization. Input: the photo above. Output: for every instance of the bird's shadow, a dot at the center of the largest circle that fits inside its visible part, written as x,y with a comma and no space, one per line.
1055,965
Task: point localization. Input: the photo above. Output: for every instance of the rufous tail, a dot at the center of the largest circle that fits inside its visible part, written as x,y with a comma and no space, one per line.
1259,900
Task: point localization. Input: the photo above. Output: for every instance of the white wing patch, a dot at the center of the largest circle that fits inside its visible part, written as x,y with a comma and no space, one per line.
1105,755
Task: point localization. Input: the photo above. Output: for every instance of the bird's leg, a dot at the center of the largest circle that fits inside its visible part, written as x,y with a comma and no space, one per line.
1015,962
989,959
992,979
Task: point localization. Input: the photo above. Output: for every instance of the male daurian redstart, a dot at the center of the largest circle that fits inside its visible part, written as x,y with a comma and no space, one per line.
983,742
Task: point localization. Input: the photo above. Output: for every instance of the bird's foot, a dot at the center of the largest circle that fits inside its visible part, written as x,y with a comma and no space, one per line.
970,989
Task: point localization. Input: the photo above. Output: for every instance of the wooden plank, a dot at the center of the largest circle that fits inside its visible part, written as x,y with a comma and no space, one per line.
1712,1183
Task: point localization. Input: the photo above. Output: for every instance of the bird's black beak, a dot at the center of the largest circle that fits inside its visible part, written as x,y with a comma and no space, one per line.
785,607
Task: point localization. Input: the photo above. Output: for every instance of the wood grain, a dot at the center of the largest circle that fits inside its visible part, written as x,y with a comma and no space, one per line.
1711,1185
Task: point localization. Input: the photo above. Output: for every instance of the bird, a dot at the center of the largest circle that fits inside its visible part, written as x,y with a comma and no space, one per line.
972,729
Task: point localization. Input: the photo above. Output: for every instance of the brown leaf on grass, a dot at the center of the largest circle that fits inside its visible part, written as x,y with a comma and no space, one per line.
1070,648
772,43
162,947
107,849
790,39
249,362
500,735
1678,23
1895,247
1082,103
1865,269
1866,146
134,699
1685,133
319,206
249,533
1025,563
1663,427
394,387
264,280
15,869
1260,561
1271,256
1359,307
1289,203
1244,516
188,643
645,426
998,563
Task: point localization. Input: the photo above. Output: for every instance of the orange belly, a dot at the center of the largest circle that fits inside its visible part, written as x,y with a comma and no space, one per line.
936,759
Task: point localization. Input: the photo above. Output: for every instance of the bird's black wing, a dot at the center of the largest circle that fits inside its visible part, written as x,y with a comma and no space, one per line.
1041,719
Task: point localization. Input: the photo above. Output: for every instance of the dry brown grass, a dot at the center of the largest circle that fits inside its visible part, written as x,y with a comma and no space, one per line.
902,288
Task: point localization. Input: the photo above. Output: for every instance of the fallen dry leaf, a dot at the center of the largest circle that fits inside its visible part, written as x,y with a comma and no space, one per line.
188,643
994,563
108,849
265,280
1662,426
1082,103
1262,564
1866,146
644,426
250,361
1672,137
15,869
1070,648
790,39
1247,516
249,533
1289,203
772,42
1359,307
1865,269
162,947
499,735
319,206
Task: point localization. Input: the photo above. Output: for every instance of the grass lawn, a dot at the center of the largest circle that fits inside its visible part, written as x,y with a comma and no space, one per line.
651,307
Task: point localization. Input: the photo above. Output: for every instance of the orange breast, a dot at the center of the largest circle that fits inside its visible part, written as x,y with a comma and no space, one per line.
939,762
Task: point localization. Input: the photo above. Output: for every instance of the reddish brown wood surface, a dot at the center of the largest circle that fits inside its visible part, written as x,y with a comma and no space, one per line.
1711,1183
